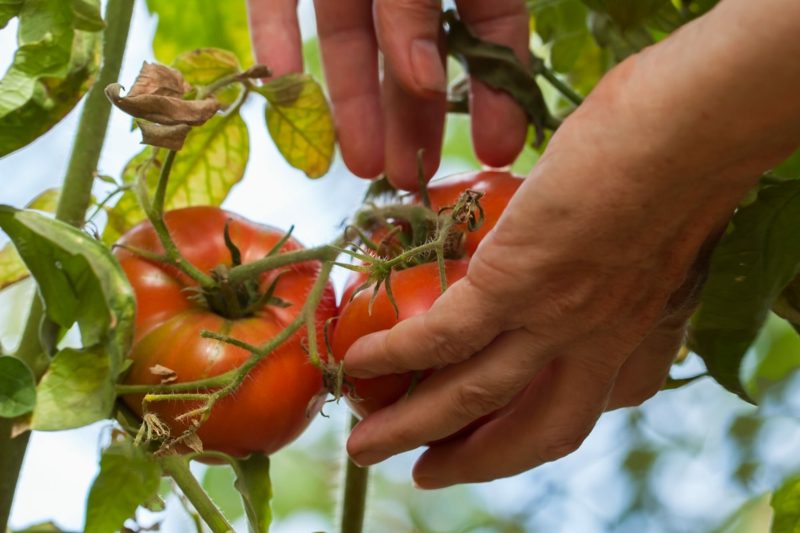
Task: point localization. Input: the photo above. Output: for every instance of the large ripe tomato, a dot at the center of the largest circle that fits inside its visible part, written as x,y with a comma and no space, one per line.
415,289
276,401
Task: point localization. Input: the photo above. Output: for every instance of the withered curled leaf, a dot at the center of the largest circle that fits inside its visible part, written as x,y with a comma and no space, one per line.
157,96
169,137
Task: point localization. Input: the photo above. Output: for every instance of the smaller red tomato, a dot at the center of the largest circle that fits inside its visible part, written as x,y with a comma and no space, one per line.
415,289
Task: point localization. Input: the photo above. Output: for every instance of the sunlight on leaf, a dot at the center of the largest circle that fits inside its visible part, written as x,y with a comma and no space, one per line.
300,122
52,68
786,504
205,66
128,478
76,390
212,161
202,24
562,24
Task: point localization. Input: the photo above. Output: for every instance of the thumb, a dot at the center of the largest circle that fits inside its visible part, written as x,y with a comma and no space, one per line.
460,323
409,34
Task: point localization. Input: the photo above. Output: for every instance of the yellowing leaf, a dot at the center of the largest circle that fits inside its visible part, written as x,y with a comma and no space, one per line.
205,66
212,160
300,122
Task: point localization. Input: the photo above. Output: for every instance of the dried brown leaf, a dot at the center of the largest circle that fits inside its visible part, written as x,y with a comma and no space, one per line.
167,375
170,137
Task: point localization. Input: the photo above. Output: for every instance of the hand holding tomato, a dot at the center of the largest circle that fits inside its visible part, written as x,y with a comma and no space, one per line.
578,300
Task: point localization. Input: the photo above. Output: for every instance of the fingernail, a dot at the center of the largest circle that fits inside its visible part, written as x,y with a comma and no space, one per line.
368,458
427,66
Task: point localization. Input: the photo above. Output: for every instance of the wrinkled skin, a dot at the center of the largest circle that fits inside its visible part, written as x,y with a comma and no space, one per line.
279,397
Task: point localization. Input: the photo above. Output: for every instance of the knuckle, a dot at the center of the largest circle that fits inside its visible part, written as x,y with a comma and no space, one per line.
474,400
450,347
420,10
561,444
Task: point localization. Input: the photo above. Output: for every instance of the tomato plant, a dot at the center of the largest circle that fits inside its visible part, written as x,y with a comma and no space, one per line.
278,400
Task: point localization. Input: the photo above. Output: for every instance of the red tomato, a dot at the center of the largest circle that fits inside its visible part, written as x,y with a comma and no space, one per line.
497,188
414,289
276,401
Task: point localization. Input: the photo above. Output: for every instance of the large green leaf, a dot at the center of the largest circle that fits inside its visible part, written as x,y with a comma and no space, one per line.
128,478
212,160
8,10
628,13
300,122
12,268
77,389
52,68
755,260
786,506
17,387
80,282
201,24
562,24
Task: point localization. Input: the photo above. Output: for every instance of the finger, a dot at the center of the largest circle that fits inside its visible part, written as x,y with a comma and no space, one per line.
275,33
499,125
412,124
643,374
350,57
443,336
409,35
450,399
549,420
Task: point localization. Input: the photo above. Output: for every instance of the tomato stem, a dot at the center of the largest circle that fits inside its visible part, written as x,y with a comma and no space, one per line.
155,214
177,467
566,91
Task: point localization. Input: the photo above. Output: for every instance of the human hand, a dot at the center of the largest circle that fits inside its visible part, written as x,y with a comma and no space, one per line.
383,124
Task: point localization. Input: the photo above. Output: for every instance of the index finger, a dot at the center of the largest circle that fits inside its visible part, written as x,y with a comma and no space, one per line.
275,34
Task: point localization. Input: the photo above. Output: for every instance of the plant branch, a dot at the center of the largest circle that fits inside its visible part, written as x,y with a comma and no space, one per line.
177,467
354,498
565,90
73,203
155,214
326,252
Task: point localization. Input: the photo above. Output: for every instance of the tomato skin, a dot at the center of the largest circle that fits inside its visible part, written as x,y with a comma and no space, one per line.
414,289
274,404
497,187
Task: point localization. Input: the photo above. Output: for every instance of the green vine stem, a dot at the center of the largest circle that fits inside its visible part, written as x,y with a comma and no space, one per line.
177,467
566,91
72,206
354,499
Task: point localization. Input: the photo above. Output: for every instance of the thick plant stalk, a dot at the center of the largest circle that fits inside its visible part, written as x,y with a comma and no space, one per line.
177,467
72,206
354,499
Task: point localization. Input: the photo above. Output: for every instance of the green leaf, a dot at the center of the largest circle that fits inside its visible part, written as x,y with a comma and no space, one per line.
774,358
44,527
254,485
786,505
8,10
87,15
12,268
300,122
754,261
628,13
790,168
562,24
128,478
17,388
78,278
205,66
76,390
203,24
211,162
52,68
498,67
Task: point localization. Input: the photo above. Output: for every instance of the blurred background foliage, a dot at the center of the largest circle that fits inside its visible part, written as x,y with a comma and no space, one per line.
695,459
